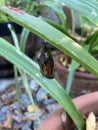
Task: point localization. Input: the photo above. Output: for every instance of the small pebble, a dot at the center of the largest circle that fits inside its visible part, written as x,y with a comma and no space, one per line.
49,101
4,84
24,100
4,109
3,114
41,94
33,85
52,107
26,126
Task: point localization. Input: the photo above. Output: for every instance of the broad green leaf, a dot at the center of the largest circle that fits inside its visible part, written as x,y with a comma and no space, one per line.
56,25
87,8
54,37
16,57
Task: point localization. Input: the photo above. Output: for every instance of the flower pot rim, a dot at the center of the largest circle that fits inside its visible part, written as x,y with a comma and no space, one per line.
79,75
84,103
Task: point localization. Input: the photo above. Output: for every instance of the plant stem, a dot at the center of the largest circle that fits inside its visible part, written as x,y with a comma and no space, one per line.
25,80
23,75
71,72
73,21
69,81
17,86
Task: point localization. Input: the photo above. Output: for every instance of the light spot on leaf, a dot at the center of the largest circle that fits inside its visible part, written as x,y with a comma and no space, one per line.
94,12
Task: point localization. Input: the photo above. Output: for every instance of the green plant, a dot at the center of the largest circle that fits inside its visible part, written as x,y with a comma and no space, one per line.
2,17
60,41
87,38
30,6
21,46
2,2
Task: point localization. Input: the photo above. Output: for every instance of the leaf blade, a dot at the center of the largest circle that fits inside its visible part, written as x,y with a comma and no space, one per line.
54,37
22,61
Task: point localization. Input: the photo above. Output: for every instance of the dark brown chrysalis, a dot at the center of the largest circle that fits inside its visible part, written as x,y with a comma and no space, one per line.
45,61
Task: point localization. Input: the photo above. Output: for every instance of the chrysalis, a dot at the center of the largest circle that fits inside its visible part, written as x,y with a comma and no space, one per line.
45,61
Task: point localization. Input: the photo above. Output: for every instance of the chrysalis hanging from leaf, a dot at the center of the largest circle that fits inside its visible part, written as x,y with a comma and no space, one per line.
45,61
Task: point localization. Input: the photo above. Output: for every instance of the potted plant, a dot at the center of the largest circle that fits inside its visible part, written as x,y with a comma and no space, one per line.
60,41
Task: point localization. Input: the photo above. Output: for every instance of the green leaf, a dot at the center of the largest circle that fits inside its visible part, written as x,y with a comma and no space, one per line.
57,39
15,56
2,2
17,86
2,17
14,35
87,8
56,25
92,42
54,37
94,50
86,24
69,81
23,40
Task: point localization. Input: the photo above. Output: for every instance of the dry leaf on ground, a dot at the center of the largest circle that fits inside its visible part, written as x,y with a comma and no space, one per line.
7,124
91,122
